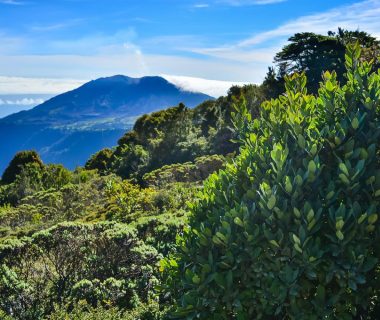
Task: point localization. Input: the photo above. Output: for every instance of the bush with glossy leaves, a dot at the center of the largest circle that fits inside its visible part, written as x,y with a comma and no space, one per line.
289,230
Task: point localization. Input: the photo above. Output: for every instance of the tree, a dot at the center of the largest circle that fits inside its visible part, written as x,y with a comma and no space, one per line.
18,162
131,161
100,161
289,230
314,54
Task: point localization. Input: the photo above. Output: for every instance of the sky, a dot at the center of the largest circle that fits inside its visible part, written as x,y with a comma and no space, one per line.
48,47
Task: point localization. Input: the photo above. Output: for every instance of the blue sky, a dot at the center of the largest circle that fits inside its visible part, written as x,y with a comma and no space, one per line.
50,46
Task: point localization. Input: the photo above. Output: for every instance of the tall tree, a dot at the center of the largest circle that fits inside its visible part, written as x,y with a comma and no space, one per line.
314,54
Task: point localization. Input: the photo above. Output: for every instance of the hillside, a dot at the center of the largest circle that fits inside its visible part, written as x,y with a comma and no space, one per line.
70,127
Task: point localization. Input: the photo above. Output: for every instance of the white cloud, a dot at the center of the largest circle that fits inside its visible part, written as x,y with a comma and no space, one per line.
94,44
261,48
56,26
363,15
22,102
11,44
246,60
214,88
12,2
201,5
91,67
269,1
250,2
21,85
234,53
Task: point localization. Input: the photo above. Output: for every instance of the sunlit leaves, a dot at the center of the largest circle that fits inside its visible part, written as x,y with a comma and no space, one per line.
301,244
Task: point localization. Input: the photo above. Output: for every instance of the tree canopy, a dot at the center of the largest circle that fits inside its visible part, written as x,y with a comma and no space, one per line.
314,54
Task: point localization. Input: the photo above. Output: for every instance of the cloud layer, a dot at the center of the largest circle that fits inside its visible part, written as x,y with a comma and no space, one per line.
21,102
21,85
194,57
214,88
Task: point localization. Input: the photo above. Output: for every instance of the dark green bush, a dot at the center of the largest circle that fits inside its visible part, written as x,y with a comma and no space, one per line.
100,161
289,230
195,171
18,162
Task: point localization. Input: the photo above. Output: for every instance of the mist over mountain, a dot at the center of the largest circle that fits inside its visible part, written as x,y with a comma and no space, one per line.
70,127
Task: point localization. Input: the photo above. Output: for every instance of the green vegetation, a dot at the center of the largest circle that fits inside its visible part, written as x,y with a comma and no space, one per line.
290,228
176,135
20,160
102,263
284,228
314,54
195,171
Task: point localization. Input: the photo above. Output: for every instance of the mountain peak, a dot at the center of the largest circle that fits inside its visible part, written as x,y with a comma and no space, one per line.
71,126
116,96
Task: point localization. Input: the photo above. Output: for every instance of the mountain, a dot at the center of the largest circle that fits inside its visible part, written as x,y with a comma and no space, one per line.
118,97
70,127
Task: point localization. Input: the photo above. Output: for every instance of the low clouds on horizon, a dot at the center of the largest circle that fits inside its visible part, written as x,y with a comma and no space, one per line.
21,102
246,60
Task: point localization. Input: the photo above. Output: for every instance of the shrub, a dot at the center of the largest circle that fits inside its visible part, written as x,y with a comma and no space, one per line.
18,162
289,230
104,264
195,171
148,311
100,160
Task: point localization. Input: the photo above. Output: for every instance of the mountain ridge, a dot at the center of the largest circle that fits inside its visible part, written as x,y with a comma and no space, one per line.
118,96
69,127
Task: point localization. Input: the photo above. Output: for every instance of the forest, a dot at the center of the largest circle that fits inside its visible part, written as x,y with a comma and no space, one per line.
261,204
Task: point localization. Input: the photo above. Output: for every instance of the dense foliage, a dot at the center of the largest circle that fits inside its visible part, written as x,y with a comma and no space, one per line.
195,171
176,135
314,54
290,228
101,263
20,160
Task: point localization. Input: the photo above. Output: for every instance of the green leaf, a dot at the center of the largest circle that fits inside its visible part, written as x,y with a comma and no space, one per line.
330,195
271,202
310,215
239,222
372,218
329,86
288,185
339,224
312,166
362,218
339,235
343,168
344,178
355,123
275,243
301,141
296,239
196,279
297,247
298,180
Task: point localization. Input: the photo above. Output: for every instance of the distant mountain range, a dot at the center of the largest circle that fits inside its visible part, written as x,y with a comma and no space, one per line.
70,127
